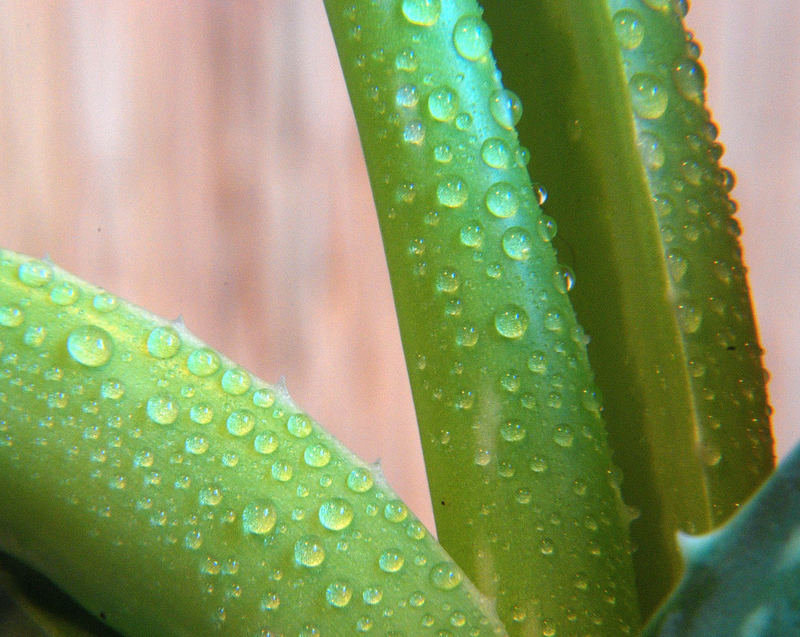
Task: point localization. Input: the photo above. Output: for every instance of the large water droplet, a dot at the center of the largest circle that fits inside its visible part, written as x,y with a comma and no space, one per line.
336,514
513,431
472,37
452,192
395,511
316,455
496,153
259,517
447,281
648,95
628,28
359,480
338,594
472,235
235,381
35,274
163,342
443,104
162,409
517,244
511,321
266,443
407,96
445,576
299,425
391,561
690,80
201,413
240,422
90,345
309,551
506,108
422,12
502,200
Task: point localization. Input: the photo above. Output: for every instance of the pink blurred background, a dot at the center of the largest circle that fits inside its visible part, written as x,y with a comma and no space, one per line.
200,159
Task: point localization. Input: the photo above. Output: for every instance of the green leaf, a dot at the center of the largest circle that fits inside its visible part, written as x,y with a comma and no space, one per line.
620,136
171,493
523,488
744,578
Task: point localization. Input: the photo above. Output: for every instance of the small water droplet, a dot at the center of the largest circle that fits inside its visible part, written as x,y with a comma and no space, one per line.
443,153
282,471
235,381
196,444
316,455
35,274
496,153
338,594
445,576
511,322
517,244
563,436
406,60
395,511
407,96
203,362
162,409
201,413
360,480
270,601
563,279
651,151
34,336
447,281
506,108
628,28
263,398
299,425
64,293
414,132
211,495
105,302
690,317
502,200
482,457
89,345
648,95
193,540
309,551
372,595
553,320
240,422
422,12
336,514
259,518
452,192
472,235
112,389
690,80
513,431
163,342
540,192
391,561
266,443
443,104
547,227
472,37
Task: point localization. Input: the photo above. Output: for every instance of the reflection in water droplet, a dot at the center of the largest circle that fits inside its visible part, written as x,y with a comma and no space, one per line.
391,561
517,244
506,108
309,551
443,104
511,321
422,12
259,517
628,28
452,192
472,37
502,200
35,274
648,95
336,514
89,345
563,436
163,342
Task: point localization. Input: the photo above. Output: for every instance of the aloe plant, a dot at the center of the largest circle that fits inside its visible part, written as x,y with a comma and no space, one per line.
506,399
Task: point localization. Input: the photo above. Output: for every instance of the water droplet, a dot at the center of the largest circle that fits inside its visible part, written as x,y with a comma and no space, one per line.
690,80
203,362
416,599
338,594
414,132
407,96
502,200
162,409
391,561
163,342
538,464
452,192
651,151
35,274
546,546
211,495
263,398
510,381
336,514
34,336
406,60
193,540
517,244
309,551
690,317
553,321
463,121
372,595
235,381
506,108
270,601
472,37
443,153
316,455
89,345
648,96
240,422
64,293
563,436
511,321
266,443
201,413
496,153
540,192
112,389
359,480
443,104
513,431
395,511
563,279
422,12
677,265
628,28
196,444
482,457
299,425
282,471
472,235
660,5
259,517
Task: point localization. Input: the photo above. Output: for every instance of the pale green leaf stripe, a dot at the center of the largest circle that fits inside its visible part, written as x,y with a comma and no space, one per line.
620,137
171,493
523,488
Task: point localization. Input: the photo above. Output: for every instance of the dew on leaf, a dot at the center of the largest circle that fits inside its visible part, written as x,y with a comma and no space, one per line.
90,345
472,37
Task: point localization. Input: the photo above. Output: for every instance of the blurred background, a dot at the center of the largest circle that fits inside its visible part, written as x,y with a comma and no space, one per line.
200,159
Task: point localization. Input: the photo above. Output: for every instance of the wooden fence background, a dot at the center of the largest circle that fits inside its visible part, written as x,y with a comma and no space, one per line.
200,159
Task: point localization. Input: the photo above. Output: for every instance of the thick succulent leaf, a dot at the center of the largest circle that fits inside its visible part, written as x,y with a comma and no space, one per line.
620,137
744,578
171,493
521,478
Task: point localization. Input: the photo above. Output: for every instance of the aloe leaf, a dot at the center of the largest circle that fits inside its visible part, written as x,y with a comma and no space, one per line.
171,493
620,136
743,578
521,479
